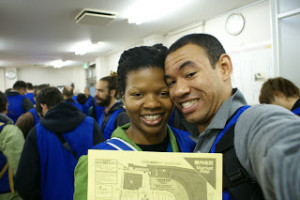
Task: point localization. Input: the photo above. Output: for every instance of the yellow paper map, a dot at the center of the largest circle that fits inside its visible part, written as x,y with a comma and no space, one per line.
136,175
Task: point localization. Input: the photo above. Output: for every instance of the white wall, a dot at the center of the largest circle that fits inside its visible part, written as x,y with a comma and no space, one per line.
54,77
251,51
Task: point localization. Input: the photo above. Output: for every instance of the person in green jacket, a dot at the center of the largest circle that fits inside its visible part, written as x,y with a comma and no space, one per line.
146,99
11,145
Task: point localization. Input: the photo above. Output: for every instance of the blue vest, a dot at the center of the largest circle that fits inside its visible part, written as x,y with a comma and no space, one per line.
15,106
296,111
85,108
89,101
77,105
35,115
4,181
186,144
98,111
232,121
30,96
57,164
110,124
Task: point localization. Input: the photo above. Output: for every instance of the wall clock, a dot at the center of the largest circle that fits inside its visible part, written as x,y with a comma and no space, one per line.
11,74
235,24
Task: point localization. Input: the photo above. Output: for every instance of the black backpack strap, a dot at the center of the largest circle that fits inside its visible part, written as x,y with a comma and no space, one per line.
236,180
66,145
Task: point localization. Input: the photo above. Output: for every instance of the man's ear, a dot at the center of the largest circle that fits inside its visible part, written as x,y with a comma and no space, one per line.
225,66
44,108
113,93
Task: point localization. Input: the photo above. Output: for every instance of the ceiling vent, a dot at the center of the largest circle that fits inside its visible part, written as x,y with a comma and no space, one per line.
94,17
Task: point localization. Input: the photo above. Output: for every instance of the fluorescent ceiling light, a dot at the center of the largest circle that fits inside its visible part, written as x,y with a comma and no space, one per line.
60,63
149,10
86,46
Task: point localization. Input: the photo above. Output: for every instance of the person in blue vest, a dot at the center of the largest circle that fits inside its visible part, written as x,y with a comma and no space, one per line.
30,92
149,107
52,148
89,98
81,99
11,145
282,92
260,144
17,102
31,118
114,114
68,94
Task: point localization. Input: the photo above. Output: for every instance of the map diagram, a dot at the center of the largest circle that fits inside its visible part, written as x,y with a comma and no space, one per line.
128,175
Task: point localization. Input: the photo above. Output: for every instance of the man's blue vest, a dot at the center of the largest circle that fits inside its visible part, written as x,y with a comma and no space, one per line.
57,163
85,108
15,107
77,105
237,184
110,124
98,110
35,115
296,111
89,101
30,96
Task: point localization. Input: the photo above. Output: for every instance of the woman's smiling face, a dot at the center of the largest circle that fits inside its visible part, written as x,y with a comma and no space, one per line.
147,102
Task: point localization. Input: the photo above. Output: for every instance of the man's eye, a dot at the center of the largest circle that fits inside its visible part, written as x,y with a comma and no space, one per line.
170,83
189,75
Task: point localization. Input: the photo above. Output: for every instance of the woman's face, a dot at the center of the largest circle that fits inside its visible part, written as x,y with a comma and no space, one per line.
147,103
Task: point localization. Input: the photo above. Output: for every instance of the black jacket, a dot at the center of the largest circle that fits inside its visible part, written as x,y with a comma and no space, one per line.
60,119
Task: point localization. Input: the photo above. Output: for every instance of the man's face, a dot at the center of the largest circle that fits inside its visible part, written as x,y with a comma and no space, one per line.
102,94
86,92
195,87
22,91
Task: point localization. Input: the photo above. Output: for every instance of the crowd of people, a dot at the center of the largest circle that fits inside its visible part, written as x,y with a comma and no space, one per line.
177,99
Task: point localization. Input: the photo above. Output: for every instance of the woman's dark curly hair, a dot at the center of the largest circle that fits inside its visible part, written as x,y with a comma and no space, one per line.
139,58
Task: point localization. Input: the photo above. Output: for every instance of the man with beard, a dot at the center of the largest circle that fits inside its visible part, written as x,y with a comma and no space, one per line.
114,114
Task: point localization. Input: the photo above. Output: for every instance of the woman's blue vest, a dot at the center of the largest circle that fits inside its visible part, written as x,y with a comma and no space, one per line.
185,143
57,163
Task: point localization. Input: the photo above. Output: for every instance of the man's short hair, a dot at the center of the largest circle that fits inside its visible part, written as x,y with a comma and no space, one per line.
3,102
212,46
29,86
50,96
68,91
19,85
278,84
81,98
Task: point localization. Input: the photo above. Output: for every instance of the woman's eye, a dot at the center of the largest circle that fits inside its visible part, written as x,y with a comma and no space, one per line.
137,94
164,93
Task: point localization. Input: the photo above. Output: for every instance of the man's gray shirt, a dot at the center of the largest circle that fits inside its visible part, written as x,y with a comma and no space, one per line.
267,143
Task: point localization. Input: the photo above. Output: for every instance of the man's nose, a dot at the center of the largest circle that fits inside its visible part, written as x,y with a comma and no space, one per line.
180,88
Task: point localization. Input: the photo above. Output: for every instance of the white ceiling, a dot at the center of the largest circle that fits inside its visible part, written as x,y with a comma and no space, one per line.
35,32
